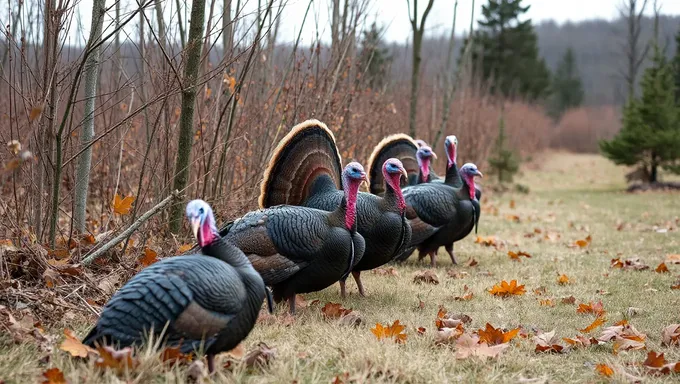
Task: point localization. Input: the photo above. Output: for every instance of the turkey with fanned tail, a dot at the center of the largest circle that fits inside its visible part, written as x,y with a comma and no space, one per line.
305,169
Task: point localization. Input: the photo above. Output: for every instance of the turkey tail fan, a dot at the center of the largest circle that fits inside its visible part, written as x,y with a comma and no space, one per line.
307,152
400,146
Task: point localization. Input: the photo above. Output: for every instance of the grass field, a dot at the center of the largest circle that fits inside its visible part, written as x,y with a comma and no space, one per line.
571,197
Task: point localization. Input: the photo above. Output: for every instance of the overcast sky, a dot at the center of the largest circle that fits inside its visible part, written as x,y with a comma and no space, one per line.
391,14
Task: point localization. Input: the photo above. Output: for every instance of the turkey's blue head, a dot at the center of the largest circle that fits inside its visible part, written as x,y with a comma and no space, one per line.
420,143
424,156
393,170
352,177
468,172
202,221
451,146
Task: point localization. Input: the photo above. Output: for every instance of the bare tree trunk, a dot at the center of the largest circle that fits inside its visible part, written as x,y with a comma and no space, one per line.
227,30
418,31
161,24
182,39
87,132
632,51
335,28
186,118
449,85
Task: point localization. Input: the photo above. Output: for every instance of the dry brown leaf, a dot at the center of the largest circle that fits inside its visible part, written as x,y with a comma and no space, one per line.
563,280
184,247
150,256
568,300
594,308
53,376
662,268
389,271
466,297
453,273
595,324
260,356
117,360
513,218
494,336
74,346
334,311
505,289
604,370
548,342
51,277
450,320
654,360
469,346
547,303
173,355
515,256
540,291
108,283
581,341
583,243
421,330
122,205
673,259
629,264
428,277
394,331
671,335
471,263
448,335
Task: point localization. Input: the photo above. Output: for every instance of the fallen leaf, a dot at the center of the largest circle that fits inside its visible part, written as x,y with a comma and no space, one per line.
334,311
260,356
583,243
494,336
673,259
184,247
469,345
540,291
450,320
108,284
569,300
453,273
122,205
74,346
466,297
512,204
117,360
594,308
389,271
150,256
421,330
654,360
505,289
54,376
50,276
513,218
662,268
581,341
448,335
516,255
427,276
604,370
548,342
595,324
547,303
390,331
563,279
625,337
671,335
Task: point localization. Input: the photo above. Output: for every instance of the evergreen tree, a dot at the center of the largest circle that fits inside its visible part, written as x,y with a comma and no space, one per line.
676,68
567,90
374,57
505,51
503,162
650,136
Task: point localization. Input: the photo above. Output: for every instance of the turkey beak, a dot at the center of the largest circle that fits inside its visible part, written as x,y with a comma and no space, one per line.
434,155
404,173
479,174
364,179
195,225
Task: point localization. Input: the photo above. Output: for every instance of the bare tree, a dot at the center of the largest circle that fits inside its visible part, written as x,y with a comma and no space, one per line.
633,52
418,31
87,130
186,119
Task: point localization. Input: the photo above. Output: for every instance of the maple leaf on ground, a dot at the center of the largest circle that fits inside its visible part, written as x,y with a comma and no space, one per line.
671,335
428,277
563,279
654,360
594,308
117,360
516,255
662,268
53,376
495,336
74,346
469,345
487,241
122,205
595,324
389,271
581,341
548,342
448,335
625,337
505,289
450,320
335,311
604,370
150,256
390,331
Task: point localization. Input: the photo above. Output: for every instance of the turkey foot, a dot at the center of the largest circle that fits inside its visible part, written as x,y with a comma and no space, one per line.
357,278
211,363
433,259
343,290
449,249
291,305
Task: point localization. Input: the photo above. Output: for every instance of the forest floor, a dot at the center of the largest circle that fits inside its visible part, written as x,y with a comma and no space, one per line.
571,197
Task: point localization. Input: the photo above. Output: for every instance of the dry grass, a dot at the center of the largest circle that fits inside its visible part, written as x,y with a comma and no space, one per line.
573,195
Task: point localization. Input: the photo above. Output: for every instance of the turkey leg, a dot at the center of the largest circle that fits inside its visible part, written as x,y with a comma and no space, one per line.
357,278
449,249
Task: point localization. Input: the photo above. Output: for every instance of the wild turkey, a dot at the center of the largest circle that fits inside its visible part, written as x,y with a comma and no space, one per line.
301,249
398,146
304,170
425,156
213,298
